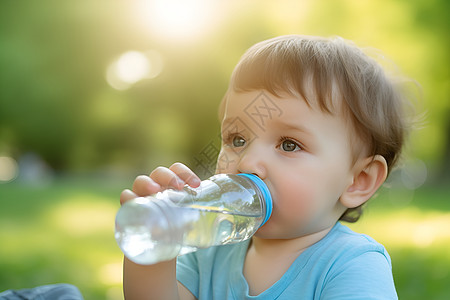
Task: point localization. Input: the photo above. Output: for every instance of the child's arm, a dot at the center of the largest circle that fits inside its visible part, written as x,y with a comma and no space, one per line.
156,281
149,282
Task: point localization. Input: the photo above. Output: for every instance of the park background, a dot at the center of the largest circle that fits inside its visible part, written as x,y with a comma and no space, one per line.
93,93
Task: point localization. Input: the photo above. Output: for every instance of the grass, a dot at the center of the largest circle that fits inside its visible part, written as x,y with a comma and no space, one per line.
63,232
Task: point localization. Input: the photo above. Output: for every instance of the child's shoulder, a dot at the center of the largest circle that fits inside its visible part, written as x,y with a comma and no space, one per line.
342,243
343,234
349,263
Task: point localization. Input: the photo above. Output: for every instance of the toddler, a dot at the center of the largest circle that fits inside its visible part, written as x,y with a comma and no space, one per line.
322,125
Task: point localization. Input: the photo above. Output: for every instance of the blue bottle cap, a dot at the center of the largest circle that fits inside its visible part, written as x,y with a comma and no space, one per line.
265,191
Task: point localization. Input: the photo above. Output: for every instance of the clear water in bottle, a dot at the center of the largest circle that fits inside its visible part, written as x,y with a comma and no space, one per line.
219,228
222,211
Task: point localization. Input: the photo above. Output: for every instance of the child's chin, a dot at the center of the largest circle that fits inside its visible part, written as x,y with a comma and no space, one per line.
265,233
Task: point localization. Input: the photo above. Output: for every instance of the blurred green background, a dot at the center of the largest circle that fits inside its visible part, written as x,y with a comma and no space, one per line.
93,93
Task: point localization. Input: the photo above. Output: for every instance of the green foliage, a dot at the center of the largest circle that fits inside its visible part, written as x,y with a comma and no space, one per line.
56,102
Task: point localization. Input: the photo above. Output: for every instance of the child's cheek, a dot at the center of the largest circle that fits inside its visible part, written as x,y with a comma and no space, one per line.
297,200
293,212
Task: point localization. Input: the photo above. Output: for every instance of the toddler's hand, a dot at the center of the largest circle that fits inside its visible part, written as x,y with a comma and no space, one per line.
176,176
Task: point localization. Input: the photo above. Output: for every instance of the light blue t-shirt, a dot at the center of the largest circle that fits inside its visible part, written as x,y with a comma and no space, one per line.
343,265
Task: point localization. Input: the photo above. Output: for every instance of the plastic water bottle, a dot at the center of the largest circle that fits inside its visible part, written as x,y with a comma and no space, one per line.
224,209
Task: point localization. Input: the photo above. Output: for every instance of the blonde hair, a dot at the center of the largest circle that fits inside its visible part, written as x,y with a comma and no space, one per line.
370,99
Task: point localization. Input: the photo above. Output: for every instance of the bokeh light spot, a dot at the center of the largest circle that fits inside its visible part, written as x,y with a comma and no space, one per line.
132,67
8,169
414,174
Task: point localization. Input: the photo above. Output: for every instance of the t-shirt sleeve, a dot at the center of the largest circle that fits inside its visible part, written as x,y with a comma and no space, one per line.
188,272
366,276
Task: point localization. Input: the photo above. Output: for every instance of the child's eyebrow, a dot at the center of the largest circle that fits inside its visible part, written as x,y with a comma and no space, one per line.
231,123
288,126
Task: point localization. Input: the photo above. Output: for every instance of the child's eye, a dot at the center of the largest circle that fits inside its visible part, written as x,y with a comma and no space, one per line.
289,145
238,141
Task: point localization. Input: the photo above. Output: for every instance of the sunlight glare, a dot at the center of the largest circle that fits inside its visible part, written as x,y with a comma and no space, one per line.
424,234
83,215
410,227
111,273
177,18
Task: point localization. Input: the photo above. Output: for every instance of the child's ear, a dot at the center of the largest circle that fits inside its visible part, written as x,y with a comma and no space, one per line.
370,175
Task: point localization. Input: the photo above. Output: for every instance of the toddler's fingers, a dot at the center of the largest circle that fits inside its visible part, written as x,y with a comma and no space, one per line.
127,195
185,174
144,186
167,178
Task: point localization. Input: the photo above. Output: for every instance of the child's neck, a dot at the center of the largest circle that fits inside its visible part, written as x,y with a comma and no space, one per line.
267,259
287,246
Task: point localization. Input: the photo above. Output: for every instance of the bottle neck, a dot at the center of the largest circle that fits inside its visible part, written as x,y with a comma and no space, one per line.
263,195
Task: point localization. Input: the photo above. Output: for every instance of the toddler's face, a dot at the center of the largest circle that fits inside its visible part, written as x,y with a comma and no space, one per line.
301,153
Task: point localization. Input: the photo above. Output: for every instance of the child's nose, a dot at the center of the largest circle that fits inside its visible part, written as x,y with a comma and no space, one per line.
252,161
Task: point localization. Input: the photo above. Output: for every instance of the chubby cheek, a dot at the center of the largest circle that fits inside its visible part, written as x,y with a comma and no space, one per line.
296,202
294,209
